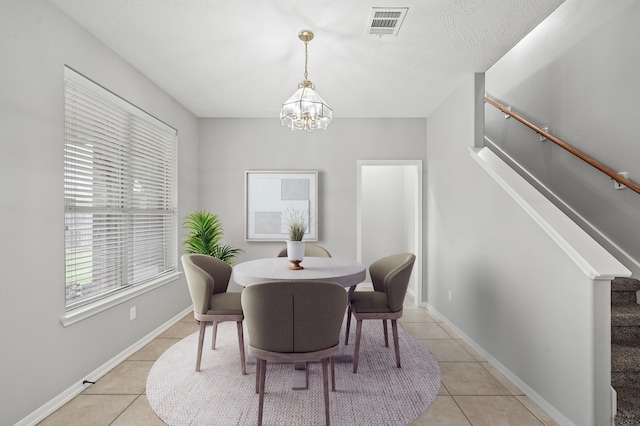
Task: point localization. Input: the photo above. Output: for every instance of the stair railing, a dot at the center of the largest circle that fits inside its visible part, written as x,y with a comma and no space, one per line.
584,157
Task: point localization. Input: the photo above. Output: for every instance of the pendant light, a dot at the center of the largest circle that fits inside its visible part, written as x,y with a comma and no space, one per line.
305,109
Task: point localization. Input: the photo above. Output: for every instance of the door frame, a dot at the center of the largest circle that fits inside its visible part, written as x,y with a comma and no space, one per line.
417,164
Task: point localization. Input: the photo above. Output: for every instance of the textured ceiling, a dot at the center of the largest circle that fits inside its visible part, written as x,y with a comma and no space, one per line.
243,58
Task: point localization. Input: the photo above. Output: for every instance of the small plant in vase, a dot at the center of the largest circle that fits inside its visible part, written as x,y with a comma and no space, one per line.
297,223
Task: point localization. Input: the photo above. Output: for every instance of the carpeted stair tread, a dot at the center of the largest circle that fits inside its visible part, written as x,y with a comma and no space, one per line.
625,284
625,334
625,379
625,357
625,315
628,406
623,298
625,365
625,349
626,421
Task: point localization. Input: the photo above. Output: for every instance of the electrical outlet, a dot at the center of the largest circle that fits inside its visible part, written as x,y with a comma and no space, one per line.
450,295
132,313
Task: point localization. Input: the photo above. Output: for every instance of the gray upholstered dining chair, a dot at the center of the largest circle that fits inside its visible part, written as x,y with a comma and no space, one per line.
208,280
310,250
294,321
390,277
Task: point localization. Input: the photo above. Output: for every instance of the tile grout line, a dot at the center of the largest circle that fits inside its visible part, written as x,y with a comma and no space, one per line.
125,409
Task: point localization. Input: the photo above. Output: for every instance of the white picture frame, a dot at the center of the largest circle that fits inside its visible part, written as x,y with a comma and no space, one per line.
271,196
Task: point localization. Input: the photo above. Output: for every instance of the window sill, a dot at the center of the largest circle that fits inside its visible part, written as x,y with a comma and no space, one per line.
83,312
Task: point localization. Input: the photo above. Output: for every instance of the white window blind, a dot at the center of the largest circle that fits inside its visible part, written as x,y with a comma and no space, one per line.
120,193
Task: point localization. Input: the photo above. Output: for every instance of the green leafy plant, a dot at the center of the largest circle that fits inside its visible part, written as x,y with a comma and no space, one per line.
297,223
205,235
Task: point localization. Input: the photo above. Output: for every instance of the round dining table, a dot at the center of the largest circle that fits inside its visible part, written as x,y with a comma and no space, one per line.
347,273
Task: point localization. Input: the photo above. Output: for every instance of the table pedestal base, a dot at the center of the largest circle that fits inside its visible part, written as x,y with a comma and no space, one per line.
300,379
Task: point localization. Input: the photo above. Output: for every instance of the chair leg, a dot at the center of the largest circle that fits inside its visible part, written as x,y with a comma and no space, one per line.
325,385
263,371
203,326
396,342
243,362
258,367
333,374
346,333
386,334
214,327
356,351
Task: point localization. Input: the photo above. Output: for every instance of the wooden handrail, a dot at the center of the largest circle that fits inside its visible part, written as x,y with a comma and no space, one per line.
584,157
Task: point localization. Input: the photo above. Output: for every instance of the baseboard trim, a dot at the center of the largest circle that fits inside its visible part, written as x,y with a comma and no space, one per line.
528,391
74,390
614,405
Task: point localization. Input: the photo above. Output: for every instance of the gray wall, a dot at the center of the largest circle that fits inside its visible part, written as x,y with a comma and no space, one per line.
517,294
586,91
229,147
40,358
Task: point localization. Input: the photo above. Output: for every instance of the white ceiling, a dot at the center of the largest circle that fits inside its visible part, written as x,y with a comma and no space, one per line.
243,58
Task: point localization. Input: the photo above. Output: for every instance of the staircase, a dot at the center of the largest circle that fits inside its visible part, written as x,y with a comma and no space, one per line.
625,349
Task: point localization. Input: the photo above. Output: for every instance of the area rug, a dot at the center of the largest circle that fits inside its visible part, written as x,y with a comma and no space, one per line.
379,394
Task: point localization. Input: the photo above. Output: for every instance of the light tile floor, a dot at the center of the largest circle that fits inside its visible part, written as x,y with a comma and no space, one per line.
472,392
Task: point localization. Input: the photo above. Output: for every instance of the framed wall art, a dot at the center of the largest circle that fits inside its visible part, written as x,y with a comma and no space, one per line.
272,197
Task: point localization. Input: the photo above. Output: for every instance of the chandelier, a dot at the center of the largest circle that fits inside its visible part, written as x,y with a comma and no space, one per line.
305,109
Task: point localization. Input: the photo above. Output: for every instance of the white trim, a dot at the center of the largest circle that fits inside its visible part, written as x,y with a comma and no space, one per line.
573,212
74,390
535,397
614,405
586,253
85,311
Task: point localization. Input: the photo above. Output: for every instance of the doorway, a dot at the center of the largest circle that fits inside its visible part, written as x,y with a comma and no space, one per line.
389,214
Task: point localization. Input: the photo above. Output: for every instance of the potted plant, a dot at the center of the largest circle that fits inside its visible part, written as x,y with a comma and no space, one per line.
297,223
205,235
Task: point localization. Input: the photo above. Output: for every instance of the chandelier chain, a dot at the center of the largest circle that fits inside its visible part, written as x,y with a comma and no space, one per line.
306,58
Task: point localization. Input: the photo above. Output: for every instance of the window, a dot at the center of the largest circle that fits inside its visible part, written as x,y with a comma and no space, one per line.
120,194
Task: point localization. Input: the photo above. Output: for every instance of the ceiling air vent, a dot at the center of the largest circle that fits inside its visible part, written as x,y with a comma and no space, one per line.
386,20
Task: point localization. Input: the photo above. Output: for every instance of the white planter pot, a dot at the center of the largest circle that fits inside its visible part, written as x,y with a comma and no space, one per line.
295,253
295,250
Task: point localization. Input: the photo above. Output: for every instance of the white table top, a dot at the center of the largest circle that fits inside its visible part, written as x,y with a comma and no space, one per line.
345,272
